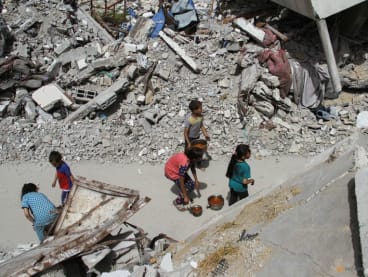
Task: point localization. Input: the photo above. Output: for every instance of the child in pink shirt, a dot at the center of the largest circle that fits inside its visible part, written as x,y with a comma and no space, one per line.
176,169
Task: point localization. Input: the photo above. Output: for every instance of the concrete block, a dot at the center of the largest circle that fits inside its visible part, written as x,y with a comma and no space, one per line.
249,28
163,73
3,107
20,93
103,63
43,116
82,64
361,194
146,125
13,108
118,273
142,62
63,47
22,50
141,99
30,110
47,96
132,71
101,101
249,77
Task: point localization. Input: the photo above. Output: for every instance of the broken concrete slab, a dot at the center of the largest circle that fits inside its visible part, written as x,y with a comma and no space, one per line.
63,47
102,63
75,54
141,30
180,51
47,96
81,64
245,25
249,78
142,62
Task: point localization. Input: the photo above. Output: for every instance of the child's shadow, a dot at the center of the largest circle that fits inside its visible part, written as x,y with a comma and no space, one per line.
175,189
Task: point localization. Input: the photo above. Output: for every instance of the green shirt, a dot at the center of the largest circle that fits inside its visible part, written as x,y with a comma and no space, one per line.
241,172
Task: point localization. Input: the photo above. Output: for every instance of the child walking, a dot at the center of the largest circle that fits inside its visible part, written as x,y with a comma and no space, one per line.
194,124
63,175
238,172
176,169
38,209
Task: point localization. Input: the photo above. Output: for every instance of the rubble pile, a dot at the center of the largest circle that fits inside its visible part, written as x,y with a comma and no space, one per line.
65,86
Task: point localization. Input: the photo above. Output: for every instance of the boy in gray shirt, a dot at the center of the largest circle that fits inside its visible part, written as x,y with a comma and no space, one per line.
194,124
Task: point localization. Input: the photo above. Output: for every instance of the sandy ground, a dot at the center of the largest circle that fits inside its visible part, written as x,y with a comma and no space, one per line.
159,216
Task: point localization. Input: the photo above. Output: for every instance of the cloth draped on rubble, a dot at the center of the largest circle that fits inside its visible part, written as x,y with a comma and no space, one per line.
184,13
308,83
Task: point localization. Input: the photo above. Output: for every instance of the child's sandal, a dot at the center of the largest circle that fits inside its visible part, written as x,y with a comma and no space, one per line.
179,207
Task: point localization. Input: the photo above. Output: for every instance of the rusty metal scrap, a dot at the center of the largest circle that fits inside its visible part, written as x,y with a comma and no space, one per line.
93,211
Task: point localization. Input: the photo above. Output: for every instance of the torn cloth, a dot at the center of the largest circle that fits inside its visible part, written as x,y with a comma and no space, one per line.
184,13
310,83
278,65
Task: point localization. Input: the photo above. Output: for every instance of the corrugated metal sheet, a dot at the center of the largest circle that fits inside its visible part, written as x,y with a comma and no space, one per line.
92,212
318,8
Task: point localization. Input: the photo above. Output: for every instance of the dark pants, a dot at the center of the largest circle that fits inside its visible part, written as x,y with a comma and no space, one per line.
236,196
64,196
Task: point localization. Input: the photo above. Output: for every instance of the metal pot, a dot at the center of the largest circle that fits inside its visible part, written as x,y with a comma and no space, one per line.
199,143
215,202
196,210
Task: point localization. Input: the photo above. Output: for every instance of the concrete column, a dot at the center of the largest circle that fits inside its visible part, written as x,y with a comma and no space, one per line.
330,57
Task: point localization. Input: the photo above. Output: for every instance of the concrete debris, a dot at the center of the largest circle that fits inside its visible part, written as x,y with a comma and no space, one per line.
362,120
141,30
101,102
249,77
50,95
110,79
63,47
118,273
256,33
178,50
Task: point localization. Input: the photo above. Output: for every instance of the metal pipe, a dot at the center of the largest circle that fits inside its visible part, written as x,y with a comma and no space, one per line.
330,57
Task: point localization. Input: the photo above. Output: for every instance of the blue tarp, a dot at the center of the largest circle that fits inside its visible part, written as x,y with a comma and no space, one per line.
159,19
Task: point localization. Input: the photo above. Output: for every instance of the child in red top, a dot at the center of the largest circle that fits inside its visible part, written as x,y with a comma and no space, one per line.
176,169
63,175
